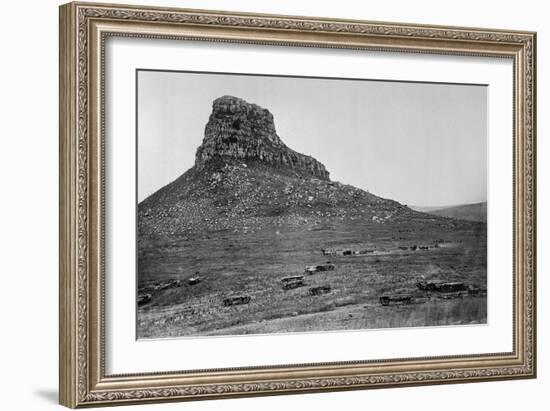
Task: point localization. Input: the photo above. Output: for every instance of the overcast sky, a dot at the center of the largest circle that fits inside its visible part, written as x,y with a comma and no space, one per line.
418,143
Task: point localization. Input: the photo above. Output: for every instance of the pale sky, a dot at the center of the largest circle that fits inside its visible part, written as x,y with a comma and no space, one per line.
420,144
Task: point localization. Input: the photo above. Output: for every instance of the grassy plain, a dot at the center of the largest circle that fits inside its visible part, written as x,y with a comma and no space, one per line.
254,262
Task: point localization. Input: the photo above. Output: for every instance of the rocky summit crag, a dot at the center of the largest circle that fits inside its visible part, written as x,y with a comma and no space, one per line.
240,130
246,179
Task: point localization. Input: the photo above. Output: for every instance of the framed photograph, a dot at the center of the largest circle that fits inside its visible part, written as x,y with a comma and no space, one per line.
260,204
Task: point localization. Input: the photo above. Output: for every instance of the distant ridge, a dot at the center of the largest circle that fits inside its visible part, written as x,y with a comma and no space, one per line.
469,212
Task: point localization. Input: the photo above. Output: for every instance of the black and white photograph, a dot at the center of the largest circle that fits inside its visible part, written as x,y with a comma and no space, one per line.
282,204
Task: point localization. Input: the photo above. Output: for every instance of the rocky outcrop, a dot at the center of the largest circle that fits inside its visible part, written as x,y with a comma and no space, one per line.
246,131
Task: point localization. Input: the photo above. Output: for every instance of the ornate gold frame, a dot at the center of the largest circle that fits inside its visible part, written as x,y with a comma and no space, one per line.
83,30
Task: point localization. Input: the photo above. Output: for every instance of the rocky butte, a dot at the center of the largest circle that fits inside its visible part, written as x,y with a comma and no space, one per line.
242,130
245,178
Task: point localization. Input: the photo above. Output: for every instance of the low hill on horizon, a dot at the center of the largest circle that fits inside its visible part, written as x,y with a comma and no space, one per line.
469,212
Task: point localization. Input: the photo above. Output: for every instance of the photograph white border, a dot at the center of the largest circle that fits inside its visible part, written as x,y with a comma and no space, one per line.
126,355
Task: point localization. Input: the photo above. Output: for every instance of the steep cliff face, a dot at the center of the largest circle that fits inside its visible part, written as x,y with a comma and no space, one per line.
241,130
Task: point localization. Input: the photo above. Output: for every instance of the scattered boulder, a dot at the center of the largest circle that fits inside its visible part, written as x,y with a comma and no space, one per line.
323,289
293,282
236,300
312,269
396,299
194,280
442,287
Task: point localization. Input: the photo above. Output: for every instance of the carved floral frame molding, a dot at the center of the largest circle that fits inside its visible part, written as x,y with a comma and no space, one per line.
83,30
